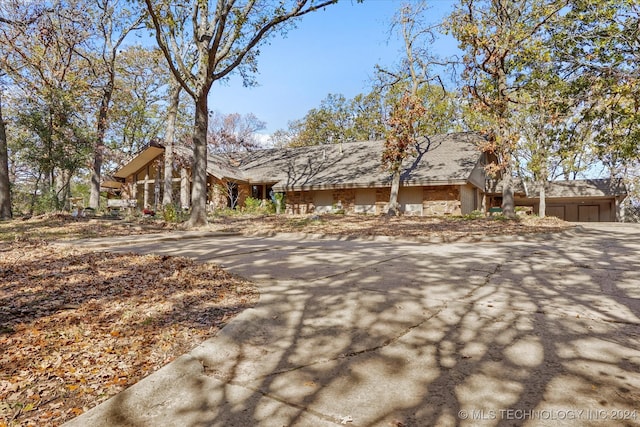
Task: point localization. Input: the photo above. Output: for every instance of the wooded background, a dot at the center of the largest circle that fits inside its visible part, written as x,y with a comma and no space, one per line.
552,84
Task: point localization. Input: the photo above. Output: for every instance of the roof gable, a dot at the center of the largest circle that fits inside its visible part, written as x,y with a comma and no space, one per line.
139,161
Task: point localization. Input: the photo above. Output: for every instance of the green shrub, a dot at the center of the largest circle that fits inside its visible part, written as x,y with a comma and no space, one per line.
173,213
252,204
46,202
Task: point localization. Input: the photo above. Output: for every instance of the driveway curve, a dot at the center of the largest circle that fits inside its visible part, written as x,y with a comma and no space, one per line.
370,333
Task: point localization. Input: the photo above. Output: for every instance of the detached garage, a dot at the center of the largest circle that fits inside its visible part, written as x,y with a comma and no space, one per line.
588,200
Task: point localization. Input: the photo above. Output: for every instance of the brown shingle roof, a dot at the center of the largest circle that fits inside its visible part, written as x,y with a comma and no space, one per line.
566,189
439,159
217,165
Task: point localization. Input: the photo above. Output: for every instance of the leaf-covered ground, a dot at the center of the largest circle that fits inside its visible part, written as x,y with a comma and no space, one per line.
430,228
77,327
62,226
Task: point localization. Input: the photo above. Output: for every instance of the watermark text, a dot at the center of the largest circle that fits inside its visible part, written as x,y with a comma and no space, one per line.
548,414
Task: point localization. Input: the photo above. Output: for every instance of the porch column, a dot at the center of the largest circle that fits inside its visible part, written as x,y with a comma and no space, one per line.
134,190
145,200
184,188
156,188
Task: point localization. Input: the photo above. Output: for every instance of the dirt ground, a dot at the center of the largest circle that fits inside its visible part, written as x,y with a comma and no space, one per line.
77,327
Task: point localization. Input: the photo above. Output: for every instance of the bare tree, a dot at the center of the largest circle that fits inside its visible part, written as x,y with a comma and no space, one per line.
114,21
413,74
225,37
233,132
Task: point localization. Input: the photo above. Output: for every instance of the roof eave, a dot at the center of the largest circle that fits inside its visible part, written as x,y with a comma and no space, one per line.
144,157
370,184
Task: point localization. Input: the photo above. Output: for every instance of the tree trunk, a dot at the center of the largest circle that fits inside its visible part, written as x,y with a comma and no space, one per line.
34,194
98,152
63,190
392,210
96,174
199,168
620,210
508,203
5,187
169,136
542,210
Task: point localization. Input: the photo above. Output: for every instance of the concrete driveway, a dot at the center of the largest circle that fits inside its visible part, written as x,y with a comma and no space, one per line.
371,333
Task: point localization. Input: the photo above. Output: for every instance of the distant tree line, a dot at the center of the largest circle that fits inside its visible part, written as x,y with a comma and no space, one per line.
552,84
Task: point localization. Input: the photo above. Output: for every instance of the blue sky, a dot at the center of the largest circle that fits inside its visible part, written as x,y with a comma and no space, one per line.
330,51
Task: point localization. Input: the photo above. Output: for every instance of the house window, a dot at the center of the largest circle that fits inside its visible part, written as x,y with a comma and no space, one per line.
256,191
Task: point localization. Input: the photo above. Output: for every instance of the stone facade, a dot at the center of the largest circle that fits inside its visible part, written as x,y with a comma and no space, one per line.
216,197
345,198
436,200
299,202
441,200
219,193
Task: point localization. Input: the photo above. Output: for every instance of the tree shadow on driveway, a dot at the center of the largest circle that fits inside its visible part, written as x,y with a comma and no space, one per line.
382,334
